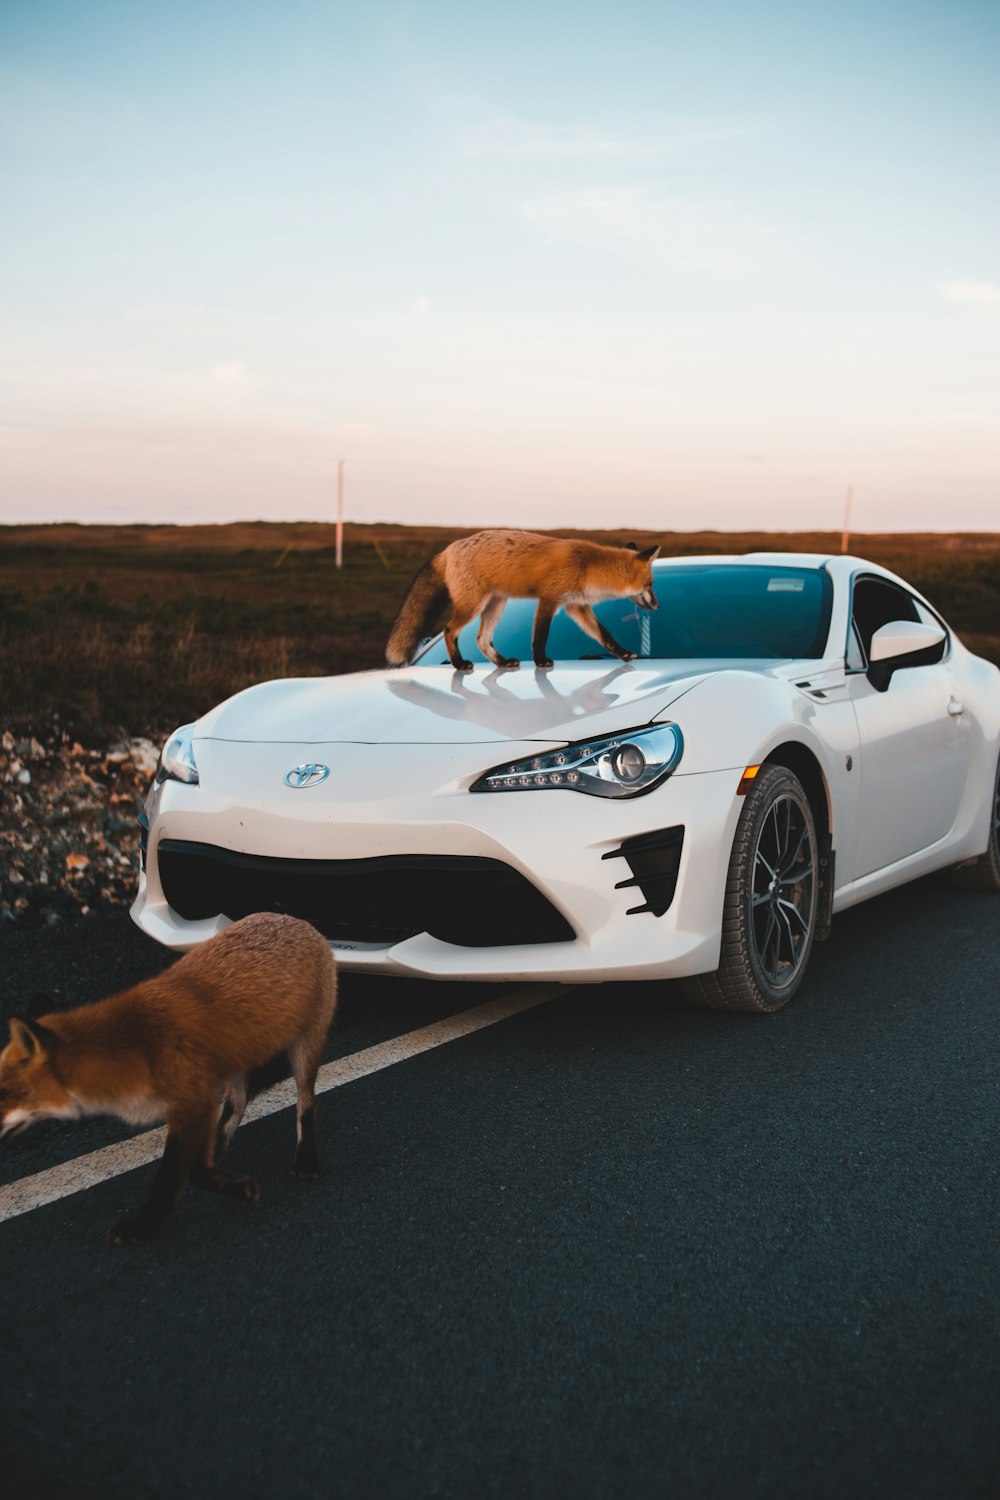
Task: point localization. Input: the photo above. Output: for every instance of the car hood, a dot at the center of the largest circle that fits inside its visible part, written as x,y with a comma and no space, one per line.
434,705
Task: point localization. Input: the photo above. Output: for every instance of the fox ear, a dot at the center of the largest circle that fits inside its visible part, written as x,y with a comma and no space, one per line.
31,1036
648,553
630,547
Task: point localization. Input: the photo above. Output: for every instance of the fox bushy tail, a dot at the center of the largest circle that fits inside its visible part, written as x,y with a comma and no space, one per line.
424,601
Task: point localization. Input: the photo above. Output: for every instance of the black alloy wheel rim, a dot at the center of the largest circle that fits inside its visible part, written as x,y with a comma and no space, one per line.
781,903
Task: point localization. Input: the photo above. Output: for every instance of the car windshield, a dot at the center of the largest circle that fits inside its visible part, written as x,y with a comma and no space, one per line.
706,610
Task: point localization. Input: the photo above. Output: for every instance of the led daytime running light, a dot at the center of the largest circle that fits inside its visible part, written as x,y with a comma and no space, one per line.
621,765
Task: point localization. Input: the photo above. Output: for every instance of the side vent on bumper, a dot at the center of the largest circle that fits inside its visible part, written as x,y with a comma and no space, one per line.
654,859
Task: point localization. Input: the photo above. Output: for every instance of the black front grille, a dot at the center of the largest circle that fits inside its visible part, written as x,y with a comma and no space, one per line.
474,903
654,859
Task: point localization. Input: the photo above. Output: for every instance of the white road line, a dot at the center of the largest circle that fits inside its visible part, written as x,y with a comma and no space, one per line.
111,1161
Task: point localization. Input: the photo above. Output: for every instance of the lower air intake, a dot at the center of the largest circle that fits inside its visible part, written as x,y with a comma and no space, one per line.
654,859
474,903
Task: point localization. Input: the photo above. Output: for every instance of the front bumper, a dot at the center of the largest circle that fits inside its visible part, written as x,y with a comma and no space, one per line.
564,843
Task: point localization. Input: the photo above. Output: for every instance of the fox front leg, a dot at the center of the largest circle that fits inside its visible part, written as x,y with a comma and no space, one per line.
184,1141
588,621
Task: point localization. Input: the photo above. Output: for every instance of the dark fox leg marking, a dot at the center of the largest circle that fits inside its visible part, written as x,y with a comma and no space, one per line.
184,1141
306,1163
588,621
540,631
457,622
304,1057
488,622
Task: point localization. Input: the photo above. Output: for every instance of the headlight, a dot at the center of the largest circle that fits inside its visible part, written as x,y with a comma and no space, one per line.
177,761
621,765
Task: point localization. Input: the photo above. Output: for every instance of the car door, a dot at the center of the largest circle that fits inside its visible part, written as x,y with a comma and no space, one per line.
913,736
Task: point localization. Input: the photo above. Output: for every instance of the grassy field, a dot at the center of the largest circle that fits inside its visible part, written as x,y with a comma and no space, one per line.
110,630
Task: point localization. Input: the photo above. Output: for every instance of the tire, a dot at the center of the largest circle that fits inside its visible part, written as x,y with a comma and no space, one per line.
772,900
983,874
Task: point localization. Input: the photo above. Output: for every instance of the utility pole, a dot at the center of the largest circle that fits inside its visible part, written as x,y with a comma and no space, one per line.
845,534
340,514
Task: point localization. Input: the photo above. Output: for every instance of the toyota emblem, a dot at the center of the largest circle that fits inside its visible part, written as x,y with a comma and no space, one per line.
310,773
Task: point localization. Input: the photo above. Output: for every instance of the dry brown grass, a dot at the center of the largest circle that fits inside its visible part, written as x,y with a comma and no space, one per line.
136,628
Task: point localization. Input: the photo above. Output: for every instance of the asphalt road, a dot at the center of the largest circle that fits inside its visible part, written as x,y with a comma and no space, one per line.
612,1246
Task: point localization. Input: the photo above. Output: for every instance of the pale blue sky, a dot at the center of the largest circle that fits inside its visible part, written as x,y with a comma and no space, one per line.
539,264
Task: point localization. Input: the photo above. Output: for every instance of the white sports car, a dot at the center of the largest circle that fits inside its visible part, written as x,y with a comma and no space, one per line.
797,733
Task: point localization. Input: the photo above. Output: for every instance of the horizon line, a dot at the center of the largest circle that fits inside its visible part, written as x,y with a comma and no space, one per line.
834,531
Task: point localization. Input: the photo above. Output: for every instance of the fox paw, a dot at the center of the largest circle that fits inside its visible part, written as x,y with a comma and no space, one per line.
508,661
462,666
305,1174
543,663
627,655
246,1188
128,1232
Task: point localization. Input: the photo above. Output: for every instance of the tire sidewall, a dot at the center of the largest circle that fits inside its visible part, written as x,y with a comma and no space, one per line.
772,785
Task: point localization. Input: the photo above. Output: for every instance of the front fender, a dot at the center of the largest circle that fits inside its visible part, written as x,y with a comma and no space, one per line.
738,719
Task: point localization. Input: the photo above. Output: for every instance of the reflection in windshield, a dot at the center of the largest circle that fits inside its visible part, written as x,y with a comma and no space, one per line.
707,611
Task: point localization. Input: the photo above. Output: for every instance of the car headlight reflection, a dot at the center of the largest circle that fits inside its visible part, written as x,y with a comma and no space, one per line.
177,762
621,765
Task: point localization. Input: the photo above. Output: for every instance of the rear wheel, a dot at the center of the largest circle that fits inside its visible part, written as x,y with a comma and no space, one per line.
771,906
983,874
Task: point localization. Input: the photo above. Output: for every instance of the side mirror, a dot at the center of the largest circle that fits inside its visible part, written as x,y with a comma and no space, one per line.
902,638
902,643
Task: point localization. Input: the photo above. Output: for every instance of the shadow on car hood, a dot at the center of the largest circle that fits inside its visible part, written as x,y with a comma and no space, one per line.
434,705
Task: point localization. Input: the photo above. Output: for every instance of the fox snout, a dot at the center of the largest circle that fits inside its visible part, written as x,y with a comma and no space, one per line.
647,599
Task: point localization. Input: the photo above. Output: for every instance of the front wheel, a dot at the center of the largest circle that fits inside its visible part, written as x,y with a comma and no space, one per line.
770,911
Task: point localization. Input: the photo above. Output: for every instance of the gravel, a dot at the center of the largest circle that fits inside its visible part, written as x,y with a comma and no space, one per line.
69,842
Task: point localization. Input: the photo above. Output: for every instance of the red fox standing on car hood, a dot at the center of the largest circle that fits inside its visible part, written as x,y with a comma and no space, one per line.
479,573
177,1046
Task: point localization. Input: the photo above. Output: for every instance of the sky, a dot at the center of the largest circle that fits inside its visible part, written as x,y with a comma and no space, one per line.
647,264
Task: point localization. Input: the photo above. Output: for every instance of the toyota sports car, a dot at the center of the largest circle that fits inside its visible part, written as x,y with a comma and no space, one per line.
796,733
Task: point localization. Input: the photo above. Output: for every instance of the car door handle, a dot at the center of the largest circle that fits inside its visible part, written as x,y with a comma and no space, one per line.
955,708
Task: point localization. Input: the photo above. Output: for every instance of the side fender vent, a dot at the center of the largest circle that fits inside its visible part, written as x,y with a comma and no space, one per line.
654,859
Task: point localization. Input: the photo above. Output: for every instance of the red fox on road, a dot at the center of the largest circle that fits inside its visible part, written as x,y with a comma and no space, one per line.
479,573
177,1047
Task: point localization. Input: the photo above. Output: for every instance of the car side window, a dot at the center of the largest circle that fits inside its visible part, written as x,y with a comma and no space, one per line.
855,659
877,602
